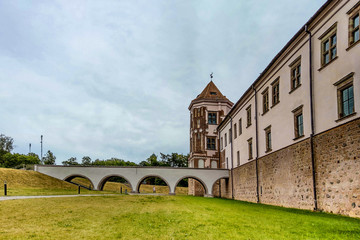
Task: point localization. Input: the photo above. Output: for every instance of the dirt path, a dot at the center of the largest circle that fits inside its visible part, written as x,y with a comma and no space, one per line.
53,196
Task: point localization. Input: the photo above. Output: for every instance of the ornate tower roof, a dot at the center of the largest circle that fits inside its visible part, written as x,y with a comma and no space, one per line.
210,94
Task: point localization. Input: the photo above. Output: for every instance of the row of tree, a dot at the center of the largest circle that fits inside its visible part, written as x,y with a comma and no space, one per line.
16,160
86,161
166,160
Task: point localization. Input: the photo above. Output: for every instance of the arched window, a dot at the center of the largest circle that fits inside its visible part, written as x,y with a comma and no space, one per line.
213,164
201,163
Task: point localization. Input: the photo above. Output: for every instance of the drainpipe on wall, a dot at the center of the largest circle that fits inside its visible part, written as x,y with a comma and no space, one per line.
219,150
312,118
257,146
232,161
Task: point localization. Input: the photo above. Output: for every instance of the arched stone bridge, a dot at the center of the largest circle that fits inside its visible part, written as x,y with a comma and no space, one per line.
136,175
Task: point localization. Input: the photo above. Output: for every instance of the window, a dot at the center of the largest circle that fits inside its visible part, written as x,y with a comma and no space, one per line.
268,139
354,23
275,92
240,127
238,158
213,164
347,101
212,118
230,137
328,45
211,143
354,13
295,74
221,143
298,122
201,163
198,123
225,140
191,143
265,95
345,96
248,114
235,131
212,93
250,148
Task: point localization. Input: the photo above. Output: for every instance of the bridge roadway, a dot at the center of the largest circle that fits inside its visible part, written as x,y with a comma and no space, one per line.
98,175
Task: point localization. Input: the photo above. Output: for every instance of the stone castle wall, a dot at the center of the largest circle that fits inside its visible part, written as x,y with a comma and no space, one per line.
285,176
337,154
245,182
195,188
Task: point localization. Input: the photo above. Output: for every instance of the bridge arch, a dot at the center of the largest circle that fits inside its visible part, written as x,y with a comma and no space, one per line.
149,176
106,178
214,183
196,178
72,176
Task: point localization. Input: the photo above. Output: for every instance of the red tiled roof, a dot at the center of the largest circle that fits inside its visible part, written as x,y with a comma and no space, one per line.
210,93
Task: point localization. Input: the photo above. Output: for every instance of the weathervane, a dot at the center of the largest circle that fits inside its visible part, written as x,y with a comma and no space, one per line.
211,76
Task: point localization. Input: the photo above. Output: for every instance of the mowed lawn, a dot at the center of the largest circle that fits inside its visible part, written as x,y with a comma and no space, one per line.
165,217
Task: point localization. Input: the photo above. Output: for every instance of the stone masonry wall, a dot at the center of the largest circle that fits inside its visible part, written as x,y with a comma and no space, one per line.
195,188
245,182
285,177
216,188
226,188
337,154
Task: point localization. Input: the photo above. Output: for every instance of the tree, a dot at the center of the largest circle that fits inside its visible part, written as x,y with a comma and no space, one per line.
17,160
49,158
6,144
34,157
152,161
113,162
174,160
86,160
70,161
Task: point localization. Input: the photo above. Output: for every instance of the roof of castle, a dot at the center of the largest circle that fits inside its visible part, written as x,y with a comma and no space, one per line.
210,93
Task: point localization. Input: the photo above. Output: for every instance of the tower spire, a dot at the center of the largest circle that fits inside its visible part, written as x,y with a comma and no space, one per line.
211,76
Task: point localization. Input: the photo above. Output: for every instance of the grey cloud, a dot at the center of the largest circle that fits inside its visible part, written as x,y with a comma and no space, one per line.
115,78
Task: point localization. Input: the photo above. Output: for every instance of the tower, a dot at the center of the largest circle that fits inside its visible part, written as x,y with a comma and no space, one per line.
207,110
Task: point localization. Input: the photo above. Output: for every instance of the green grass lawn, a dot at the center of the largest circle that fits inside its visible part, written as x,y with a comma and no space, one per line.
165,217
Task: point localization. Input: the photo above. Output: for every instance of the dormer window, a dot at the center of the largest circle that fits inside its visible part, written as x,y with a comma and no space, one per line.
212,93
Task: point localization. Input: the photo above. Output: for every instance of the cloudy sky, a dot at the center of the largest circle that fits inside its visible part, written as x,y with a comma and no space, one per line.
115,78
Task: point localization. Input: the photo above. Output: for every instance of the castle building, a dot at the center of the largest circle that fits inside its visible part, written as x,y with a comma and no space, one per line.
293,137
207,110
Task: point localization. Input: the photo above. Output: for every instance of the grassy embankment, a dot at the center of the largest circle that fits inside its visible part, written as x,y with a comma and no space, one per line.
152,217
165,217
21,183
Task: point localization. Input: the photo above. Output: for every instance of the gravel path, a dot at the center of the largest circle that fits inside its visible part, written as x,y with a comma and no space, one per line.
53,196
